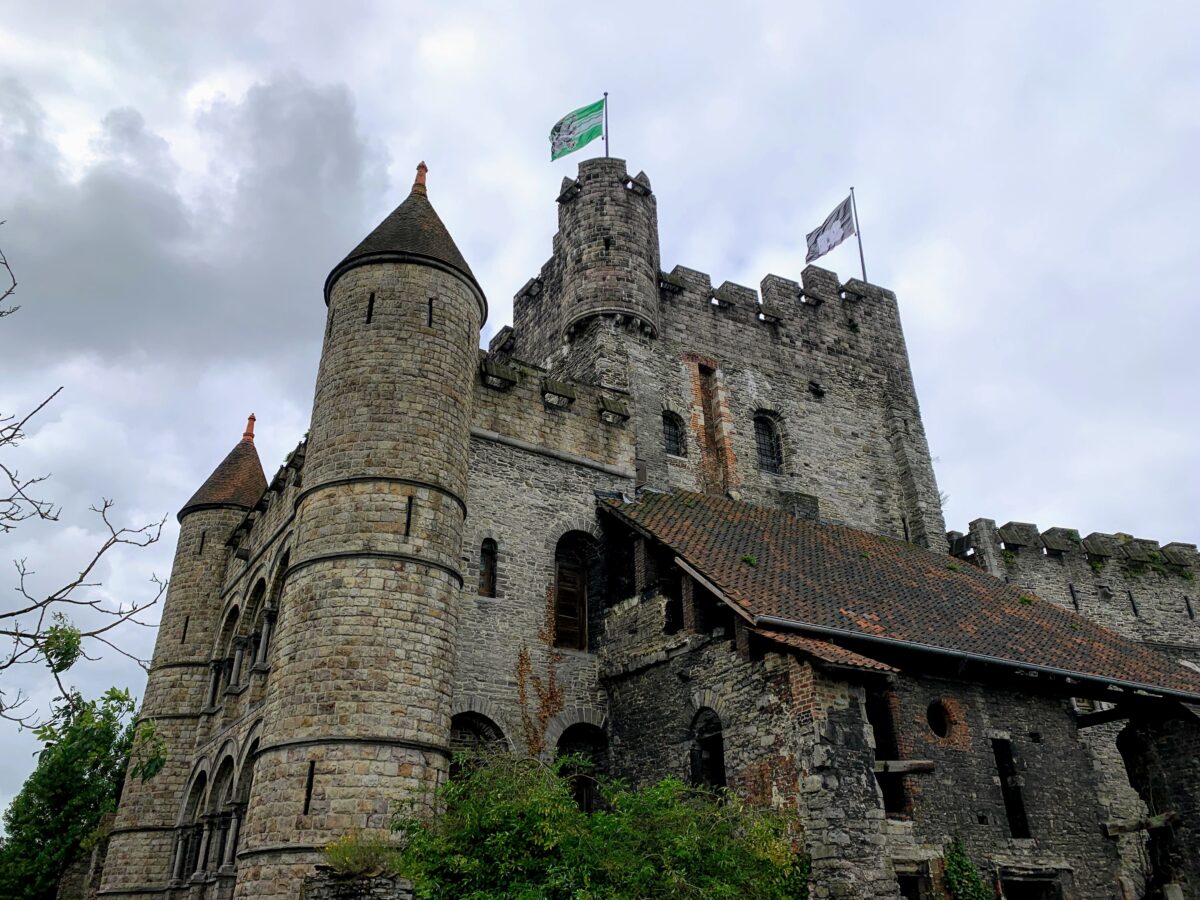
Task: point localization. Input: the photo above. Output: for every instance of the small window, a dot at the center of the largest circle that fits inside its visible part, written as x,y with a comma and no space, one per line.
939,718
769,445
1010,789
487,568
708,750
1191,610
674,438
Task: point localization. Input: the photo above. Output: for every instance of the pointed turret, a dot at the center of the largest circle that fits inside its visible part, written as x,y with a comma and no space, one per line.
237,482
413,233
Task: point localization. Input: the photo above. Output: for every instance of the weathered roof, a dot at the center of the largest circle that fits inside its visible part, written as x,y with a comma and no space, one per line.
413,230
238,481
842,583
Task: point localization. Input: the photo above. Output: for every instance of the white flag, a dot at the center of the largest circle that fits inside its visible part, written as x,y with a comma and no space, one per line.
834,230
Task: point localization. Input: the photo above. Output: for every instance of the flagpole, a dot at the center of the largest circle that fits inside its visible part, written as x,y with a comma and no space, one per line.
606,127
857,228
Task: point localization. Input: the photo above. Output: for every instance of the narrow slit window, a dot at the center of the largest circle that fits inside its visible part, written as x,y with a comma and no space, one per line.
329,325
1191,610
1074,597
183,636
408,517
203,535
429,314
1010,789
1132,603
370,307
308,785
487,568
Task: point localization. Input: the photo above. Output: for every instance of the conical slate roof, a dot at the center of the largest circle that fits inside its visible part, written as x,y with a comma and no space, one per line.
238,481
413,232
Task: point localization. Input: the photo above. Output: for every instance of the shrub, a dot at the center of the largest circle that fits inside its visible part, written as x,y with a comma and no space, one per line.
355,855
511,828
963,878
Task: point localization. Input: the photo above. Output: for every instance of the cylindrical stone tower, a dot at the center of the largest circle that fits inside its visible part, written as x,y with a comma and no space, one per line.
357,719
144,835
607,245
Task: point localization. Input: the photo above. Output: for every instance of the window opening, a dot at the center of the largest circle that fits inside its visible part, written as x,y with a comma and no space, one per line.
1132,603
203,535
1191,610
370,307
674,439
1074,597
768,444
308,785
939,718
1031,888
708,750
429,314
570,595
590,742
472,738
487,568
1010,788
408,508
881,718
183,637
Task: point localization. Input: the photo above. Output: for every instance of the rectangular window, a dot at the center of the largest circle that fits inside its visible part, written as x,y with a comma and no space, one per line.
183,637
1010,788
429,314
370,307
896,801
408,517
200,549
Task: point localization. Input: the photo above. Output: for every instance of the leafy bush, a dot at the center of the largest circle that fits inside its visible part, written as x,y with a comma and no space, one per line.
355,855
80,770
963,878
511,828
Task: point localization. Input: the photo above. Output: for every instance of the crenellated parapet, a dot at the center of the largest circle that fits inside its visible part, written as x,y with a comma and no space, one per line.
1137,586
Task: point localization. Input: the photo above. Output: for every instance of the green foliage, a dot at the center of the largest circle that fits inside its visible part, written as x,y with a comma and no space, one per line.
61,644
356,854
77,780
1096,563
511,828
750,559
953,567
1025,600
963,878
1008,556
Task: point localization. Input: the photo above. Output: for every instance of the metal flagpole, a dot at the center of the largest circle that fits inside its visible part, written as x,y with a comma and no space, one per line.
857,230
606,124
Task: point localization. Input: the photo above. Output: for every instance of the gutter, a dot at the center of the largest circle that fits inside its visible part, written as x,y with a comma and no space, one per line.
790,625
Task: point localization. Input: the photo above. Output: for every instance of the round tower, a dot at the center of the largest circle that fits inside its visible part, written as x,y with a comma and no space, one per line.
357,718
178,682
607,247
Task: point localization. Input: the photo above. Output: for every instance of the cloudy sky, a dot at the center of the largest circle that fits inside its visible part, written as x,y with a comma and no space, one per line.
177,179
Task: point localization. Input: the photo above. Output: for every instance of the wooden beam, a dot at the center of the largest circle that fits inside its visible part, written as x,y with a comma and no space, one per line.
1103,717
1146,823
903,766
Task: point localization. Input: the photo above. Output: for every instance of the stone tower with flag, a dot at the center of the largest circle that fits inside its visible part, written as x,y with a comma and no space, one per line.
686,528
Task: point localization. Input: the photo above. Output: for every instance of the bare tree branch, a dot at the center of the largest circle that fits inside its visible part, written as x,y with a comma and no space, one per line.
39,630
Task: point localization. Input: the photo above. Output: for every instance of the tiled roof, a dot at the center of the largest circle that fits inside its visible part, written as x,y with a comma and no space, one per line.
844,583
413,229
825,651
238,481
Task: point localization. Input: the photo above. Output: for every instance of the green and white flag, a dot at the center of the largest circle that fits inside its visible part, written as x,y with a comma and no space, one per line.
576,129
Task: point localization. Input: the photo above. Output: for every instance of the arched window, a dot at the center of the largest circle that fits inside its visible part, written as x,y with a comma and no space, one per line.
674,437
222,837
571,559
708,750
590,742
487,568
189,833
768,443
475,736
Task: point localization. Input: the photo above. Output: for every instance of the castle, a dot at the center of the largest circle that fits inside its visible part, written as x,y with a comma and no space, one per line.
688,530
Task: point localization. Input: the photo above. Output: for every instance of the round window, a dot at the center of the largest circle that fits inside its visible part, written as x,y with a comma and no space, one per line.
939,718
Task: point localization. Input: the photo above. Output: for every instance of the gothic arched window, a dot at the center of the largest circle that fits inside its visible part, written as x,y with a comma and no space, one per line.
487,568
674,437
768,444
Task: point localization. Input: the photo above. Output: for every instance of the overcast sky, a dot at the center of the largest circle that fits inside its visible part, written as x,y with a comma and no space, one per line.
178,179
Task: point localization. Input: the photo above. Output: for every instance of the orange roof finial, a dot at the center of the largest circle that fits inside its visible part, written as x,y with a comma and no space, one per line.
248,434
419,184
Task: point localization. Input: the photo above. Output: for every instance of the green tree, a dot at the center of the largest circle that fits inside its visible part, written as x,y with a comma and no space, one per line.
511,828
89,745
